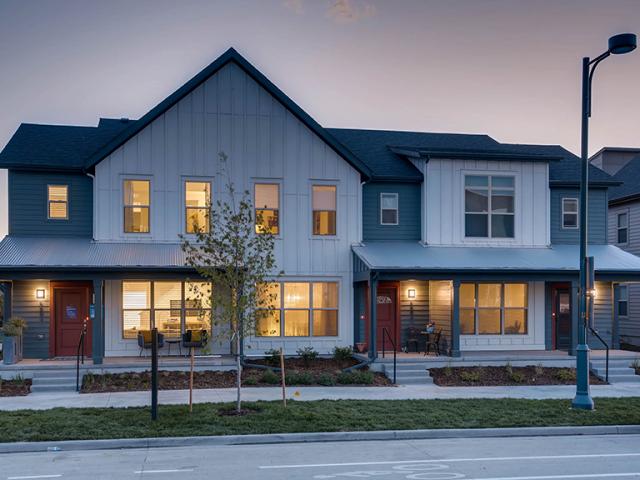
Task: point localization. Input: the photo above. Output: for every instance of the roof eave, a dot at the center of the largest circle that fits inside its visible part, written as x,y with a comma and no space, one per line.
576,184
627,198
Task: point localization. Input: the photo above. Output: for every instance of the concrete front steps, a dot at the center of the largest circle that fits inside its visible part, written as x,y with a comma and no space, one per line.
620,370
407,373
63,380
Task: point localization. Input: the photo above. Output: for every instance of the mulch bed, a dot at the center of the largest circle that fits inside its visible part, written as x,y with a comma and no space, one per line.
320,372
501,376
15,388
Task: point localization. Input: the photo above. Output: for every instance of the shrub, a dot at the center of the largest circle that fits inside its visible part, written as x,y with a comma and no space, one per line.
355,378
342,354
299,378
18,379
270,377
272,357
326,379
565,375
470,376
251,381
448,371
509,368
518,377
14,327
636,364
308,355
539,369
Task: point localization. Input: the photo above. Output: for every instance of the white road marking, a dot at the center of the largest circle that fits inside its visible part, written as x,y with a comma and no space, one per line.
558,477
180,470
26,477
449,460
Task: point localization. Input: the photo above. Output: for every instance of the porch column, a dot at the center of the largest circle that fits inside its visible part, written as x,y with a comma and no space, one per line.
357,312
98,322
575,321
373,315
5,288
455,320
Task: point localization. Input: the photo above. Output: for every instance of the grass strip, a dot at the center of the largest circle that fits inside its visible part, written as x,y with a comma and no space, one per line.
316,416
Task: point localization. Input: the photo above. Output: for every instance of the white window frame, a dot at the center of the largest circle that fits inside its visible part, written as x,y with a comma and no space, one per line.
269,181
489,189
576,213
503,309
618,227
397,209
184,207
49,202
124,179
323,183
619,300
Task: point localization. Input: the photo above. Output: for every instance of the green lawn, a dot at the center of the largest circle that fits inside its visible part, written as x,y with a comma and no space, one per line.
319,416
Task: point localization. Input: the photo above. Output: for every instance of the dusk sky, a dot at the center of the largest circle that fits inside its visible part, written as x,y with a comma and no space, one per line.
507,68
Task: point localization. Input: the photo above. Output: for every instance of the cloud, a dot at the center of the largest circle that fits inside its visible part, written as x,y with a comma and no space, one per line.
294,5
349,11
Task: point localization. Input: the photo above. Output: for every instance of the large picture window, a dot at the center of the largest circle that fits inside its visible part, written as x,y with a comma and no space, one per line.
136,206
324,209
58,202
267,208
197,201
489,206
493,308
173,307
299,309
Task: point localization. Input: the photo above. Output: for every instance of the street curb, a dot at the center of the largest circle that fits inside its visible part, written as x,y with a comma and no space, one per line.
111,444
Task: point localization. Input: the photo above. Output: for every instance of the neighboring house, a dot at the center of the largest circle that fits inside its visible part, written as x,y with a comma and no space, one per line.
624,229
374,230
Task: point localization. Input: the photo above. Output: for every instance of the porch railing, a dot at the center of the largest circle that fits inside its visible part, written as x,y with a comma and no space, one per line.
606,346
386,334
80,354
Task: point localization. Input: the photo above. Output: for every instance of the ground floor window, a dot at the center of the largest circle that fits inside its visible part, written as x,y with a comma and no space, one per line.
299,309
623,301
173,307
493,308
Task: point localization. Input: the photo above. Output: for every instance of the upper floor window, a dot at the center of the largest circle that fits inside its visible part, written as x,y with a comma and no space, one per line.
623,227
489,206
569,213
267,208
136,206
197,201
58,202
324,209
389,209
623,301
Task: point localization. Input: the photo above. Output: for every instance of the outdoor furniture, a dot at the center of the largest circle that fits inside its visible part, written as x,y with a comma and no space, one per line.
413,336
433,340
174,341
144,340
194,339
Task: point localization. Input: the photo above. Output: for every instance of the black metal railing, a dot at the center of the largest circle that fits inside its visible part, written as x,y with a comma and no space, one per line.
606,346
386,334
80,354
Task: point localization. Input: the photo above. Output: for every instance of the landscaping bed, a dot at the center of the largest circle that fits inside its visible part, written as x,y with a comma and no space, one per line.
318,416
15,388
506,376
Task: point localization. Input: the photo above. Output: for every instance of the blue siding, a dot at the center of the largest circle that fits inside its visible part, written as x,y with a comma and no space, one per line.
28,204
408,227
36,314
597,216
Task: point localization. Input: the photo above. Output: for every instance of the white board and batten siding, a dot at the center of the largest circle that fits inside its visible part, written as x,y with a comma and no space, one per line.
445,202
264,141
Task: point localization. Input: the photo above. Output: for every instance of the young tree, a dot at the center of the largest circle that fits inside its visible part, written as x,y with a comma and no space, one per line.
237,257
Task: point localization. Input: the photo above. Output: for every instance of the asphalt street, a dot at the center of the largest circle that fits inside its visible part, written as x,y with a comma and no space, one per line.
523,458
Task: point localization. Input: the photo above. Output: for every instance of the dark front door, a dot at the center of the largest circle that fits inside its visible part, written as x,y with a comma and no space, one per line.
387,317
70,312
562,317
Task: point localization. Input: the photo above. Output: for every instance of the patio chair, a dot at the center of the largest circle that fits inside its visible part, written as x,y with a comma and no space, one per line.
194,339
413,336
144,340
434,341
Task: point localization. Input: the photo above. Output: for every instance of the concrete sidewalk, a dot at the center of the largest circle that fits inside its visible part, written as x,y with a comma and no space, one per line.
44,401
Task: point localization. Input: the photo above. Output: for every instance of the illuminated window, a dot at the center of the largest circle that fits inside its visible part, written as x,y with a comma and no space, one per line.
136,308
197,202
299,309
389,209
136,206
493,308
267,207
58,202
324,209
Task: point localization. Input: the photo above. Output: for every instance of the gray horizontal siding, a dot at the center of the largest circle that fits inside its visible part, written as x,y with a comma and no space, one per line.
633,211
36,314
629,326
28,205
414,313
597,216
440,304
603,316
408,227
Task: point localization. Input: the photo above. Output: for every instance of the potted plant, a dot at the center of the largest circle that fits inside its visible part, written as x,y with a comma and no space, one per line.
12,343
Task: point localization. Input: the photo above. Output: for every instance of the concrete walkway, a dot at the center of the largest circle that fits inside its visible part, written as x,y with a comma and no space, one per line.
43,401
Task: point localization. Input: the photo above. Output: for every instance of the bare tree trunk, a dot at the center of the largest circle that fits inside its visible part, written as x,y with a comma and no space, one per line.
191,381
238,374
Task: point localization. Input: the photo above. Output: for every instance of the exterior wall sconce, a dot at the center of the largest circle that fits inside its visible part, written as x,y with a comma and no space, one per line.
40,293
411,293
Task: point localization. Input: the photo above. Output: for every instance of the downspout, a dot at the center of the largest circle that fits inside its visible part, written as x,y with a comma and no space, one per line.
93,208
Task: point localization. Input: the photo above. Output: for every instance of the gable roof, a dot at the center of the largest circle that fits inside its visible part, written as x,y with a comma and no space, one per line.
230,55
59,147
629,176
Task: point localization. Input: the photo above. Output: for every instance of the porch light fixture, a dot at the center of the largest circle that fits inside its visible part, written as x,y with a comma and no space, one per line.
40,293
618,45
411,293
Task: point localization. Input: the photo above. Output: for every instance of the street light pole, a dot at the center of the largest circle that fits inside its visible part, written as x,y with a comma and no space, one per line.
618,44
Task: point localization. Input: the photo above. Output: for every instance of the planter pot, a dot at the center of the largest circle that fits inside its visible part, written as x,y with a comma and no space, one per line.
11,350
361,347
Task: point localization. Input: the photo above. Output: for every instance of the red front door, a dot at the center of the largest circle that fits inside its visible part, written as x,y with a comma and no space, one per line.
70,311
387,318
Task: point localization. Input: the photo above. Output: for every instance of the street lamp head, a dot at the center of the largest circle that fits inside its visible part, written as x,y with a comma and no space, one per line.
622,43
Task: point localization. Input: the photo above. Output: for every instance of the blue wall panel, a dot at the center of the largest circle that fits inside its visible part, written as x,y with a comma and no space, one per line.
597,216
409,215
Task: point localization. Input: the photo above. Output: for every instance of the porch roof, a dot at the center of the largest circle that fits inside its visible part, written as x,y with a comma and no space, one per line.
50,253
415,257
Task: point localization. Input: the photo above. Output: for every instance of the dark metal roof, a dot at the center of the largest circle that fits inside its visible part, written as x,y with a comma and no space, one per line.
629,189
59,147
